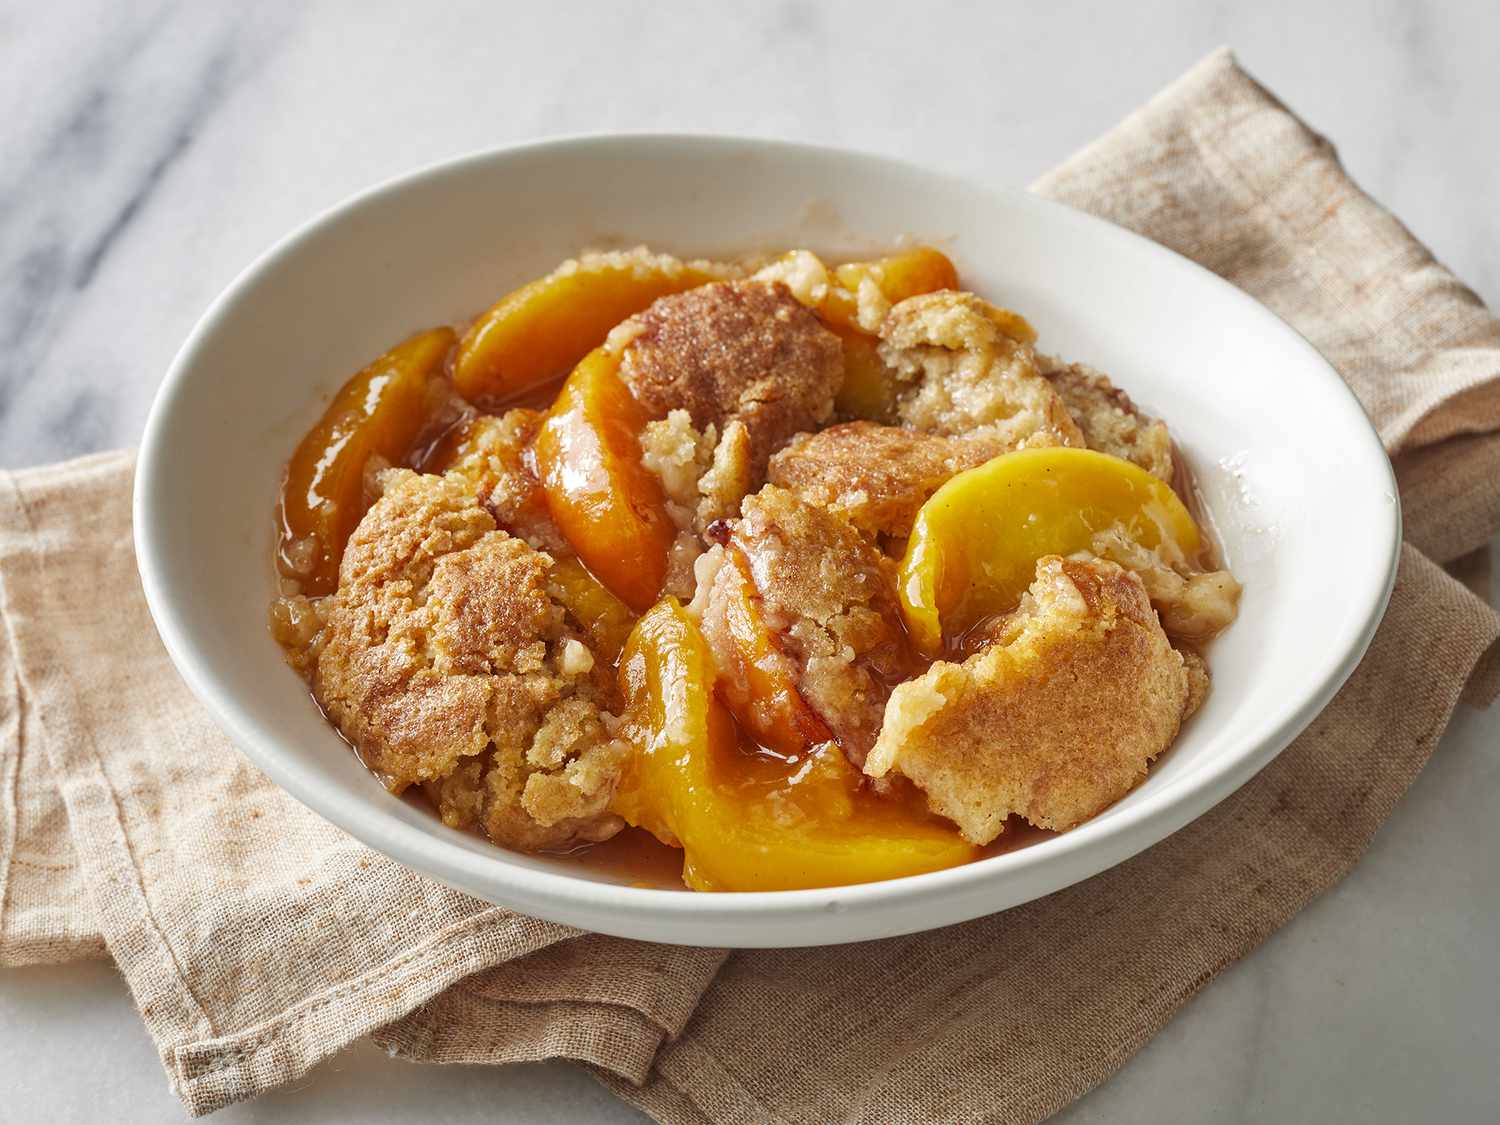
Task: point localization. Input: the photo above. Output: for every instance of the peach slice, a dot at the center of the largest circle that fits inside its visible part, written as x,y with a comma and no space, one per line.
761,688
869,390
748,822
380,411
909,273
606,618
975,543
541,330
607,504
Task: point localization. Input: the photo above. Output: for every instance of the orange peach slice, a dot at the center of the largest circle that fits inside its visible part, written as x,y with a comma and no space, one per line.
539,331
605,618
607,504
909,273
974,545
380,411
761,687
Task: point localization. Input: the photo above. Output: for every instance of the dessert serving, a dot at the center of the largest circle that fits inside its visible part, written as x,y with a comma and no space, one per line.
822,574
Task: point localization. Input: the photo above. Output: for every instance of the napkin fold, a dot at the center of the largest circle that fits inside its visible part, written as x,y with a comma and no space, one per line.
257,939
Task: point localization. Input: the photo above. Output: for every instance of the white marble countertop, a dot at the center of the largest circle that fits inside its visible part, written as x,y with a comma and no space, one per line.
153,149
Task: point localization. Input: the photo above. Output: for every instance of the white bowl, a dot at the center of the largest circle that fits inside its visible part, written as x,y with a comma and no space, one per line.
1296,481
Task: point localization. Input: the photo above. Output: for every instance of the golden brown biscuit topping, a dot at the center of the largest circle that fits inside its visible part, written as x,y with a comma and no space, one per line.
875,476
445,660
742,351
1110,421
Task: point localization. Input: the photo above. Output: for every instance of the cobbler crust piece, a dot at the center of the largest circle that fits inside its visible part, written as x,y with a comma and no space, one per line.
1111,422
959,371
446,662
1055,719
1194,605
877,477
827,594
742,351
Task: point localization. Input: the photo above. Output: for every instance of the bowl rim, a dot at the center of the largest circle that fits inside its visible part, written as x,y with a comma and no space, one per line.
1089,848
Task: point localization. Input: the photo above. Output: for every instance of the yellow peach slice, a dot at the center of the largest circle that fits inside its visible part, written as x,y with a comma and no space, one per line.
869,388
748,822
868,391
607,504
541,330
380,411
975,543
908,273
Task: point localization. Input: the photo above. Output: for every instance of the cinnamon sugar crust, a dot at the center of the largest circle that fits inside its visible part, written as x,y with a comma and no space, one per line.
742,351
874,476
447,663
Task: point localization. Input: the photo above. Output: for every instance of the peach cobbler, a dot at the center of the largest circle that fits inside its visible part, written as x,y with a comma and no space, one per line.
822,574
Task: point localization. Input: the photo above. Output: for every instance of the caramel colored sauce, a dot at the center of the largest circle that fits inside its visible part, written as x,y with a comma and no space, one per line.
635,858
539,397
1017,835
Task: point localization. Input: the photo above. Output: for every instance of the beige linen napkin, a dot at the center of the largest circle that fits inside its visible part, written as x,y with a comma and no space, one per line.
257,940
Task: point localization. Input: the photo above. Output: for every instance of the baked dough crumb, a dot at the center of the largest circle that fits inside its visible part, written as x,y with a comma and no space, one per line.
704,478
1194,605
1111,422
802,272
1199,680
679,454
959,369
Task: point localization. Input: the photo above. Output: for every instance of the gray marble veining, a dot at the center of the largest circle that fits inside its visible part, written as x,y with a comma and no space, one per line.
152,150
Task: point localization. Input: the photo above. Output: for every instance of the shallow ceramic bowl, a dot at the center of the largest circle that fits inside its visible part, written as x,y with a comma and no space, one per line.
1294,478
